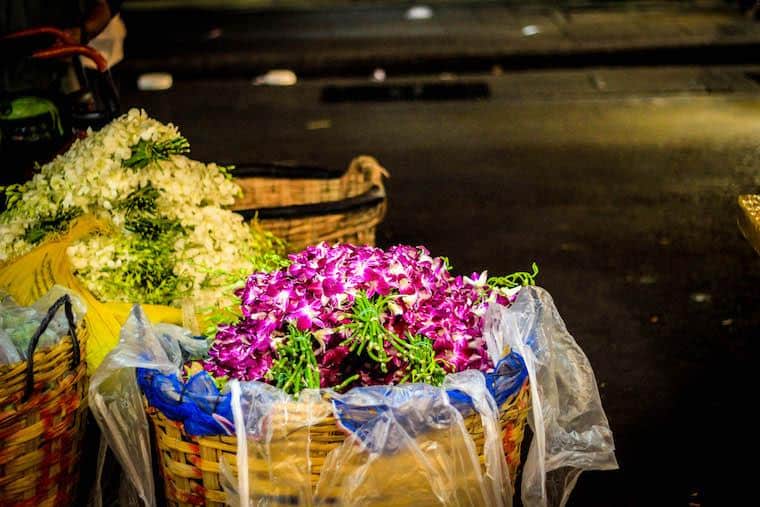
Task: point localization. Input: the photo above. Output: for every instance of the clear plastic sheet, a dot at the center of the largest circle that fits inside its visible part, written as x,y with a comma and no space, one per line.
18,323
8,352
417,450
59,323
116,401
571,432
274,442
172,336
410,448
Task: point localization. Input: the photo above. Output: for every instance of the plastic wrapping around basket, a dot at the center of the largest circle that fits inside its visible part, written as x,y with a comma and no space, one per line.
182,411
43,405
571,432
306,205
190,466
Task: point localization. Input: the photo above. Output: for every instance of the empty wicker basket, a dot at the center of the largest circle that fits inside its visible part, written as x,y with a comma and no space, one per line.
306,205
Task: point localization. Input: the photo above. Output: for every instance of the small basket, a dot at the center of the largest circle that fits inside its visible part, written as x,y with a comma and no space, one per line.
43,405
749,219
191,471
306,205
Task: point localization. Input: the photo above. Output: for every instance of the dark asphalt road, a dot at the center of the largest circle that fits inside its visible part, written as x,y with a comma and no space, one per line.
350,40
620,184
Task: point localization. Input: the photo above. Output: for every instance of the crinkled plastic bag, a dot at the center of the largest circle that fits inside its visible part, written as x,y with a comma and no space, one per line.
408,445
116,401
571,432
59,323
420,443
8,352
274,441
19,323
172,336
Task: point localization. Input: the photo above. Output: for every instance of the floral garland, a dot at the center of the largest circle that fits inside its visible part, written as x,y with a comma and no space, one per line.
340,316
170,229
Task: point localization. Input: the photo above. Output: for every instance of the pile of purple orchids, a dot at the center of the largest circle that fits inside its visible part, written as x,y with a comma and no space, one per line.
339,316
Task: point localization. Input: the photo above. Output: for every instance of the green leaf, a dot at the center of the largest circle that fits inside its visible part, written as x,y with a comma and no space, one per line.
141,215
56,223
148,152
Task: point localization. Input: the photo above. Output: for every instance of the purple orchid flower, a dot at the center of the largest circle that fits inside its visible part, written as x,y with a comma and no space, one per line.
316,293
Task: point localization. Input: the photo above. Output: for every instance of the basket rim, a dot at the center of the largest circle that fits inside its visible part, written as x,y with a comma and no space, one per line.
58,348
286,170
330,417
374,196
328,399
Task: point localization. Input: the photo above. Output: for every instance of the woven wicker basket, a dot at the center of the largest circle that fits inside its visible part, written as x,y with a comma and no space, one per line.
43,405
306,205
749,219
190,465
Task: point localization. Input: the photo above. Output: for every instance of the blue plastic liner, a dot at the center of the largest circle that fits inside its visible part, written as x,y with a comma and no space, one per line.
205,411
506,380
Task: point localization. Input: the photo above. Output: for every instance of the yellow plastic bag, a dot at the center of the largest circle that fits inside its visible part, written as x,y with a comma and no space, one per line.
30,276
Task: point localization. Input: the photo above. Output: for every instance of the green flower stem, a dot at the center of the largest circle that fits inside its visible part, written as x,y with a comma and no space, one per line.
55,223
296,365
518,279
141,200
366,329
14,193
346,382
368,334
422,365
141,215
148,276
148,152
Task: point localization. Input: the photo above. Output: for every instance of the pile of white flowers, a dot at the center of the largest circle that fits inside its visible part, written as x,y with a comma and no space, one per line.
190,235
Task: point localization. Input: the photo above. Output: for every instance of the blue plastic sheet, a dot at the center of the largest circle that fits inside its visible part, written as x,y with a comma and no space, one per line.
205,411
197,403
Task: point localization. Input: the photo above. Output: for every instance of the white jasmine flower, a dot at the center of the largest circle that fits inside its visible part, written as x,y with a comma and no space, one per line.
93,177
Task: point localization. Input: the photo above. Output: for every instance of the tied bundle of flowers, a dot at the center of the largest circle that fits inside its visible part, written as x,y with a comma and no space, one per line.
170,229
342,316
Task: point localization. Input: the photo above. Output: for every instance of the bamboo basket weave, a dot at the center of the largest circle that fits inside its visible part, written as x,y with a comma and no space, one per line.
190,466
749,219
307,205
43,405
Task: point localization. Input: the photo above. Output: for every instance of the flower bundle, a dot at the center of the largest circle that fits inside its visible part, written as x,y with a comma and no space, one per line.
340,316
169,231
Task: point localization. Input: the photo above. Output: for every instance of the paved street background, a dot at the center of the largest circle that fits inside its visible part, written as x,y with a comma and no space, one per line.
472,36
